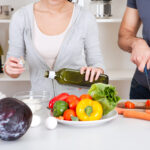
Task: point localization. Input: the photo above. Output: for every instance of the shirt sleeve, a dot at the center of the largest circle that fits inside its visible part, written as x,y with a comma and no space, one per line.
132,4
16,40
92,49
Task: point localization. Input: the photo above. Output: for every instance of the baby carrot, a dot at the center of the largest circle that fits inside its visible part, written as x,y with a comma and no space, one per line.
147,111
120,110
136,114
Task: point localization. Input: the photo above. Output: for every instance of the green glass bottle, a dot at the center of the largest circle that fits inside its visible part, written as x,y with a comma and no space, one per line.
73,77
1,65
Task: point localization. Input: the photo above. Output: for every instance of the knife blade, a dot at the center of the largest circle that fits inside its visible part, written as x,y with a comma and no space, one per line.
147,78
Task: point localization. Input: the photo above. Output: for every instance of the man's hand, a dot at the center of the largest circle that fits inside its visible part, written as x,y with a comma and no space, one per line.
140,54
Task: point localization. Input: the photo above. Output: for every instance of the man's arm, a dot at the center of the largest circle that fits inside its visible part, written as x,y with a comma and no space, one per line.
128,30
139,49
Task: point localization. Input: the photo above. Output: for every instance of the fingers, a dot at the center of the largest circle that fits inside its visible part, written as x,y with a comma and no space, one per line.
14,71
12,66
82,70
97,75
91,74
148,64
13,59
142,65
140,62
87,74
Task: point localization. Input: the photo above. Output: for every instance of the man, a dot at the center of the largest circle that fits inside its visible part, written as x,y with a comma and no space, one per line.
137,13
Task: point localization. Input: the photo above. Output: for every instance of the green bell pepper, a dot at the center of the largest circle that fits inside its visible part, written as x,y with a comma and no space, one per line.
59,108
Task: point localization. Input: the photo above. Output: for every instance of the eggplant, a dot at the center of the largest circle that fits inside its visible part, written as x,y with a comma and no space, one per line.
15,119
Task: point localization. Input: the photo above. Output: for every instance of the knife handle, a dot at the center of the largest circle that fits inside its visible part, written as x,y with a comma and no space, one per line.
145,70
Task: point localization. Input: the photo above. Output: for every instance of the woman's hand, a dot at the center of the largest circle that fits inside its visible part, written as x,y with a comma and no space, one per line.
13,68
141,54
91,73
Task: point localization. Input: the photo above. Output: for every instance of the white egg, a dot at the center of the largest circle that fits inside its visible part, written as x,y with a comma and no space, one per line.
51,123
36,120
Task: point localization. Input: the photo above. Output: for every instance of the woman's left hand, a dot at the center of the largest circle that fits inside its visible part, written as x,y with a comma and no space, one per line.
91,73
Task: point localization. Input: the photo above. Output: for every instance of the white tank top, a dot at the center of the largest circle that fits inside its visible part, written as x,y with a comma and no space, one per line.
48,46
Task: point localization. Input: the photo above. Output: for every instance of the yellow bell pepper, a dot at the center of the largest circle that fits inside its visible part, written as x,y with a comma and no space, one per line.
89,110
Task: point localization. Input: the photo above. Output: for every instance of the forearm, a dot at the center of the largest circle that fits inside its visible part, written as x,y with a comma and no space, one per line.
127,40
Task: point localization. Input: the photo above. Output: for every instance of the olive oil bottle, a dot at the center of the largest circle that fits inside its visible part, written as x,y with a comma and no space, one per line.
1,65
73,77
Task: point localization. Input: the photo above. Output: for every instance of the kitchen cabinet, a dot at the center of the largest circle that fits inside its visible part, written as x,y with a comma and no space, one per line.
117,62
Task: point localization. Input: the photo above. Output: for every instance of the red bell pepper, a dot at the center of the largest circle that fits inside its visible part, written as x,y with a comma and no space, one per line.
62,97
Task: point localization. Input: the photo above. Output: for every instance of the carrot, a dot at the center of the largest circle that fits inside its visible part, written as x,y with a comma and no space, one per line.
122,110
147,111
136,114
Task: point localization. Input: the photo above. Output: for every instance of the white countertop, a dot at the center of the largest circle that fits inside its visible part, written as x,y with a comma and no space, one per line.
119,134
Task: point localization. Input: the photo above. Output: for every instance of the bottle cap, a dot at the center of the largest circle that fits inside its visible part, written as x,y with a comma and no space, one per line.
52,74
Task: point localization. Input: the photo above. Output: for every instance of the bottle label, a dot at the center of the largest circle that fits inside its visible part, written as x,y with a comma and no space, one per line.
52,74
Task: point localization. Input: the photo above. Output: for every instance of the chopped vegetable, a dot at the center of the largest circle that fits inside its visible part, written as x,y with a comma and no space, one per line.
136,114
59,108
62,97
105,95
72,100
89,110
147,103
129,105
68,114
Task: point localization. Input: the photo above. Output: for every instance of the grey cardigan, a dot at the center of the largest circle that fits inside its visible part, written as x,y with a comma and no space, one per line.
79,48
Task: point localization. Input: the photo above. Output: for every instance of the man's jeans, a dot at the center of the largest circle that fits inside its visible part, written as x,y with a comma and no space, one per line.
137,91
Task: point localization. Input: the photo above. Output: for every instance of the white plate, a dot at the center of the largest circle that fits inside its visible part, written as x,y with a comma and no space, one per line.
112,115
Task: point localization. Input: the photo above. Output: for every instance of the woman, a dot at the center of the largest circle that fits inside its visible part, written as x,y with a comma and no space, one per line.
51,35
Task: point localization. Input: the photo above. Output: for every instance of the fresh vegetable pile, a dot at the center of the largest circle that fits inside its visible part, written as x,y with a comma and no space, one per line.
100,100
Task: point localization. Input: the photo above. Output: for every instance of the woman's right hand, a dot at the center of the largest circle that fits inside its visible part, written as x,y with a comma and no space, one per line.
13,68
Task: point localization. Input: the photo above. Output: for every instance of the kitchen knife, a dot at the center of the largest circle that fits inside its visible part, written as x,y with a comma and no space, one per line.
147,77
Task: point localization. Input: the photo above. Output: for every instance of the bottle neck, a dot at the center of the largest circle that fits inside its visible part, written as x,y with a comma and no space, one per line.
52,74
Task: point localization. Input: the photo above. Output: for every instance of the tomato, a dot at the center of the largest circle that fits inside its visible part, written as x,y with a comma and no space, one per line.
72,100
129,105
85,96
147,103
68,113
